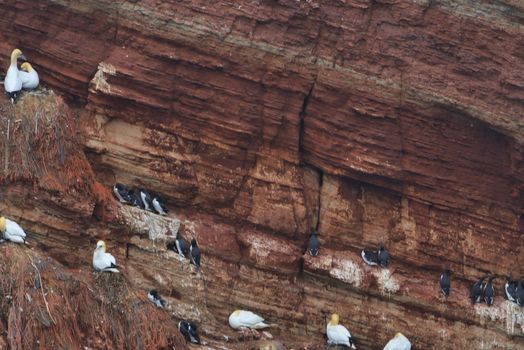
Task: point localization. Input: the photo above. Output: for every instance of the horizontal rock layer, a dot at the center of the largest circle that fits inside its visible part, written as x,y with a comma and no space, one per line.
371,121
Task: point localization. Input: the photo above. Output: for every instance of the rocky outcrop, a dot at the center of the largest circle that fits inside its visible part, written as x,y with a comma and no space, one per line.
371,121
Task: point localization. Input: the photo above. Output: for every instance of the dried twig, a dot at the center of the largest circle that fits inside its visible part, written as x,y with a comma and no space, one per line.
42,289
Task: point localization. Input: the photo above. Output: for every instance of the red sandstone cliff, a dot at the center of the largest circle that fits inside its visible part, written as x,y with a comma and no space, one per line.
394,121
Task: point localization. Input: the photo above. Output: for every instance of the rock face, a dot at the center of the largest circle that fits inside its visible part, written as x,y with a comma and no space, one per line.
371,121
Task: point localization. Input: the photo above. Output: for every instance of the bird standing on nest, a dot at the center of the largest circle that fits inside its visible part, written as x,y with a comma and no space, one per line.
29,76
12,231
13,81
102,261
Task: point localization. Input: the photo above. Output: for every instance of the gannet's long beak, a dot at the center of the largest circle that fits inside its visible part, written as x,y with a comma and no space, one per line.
22,57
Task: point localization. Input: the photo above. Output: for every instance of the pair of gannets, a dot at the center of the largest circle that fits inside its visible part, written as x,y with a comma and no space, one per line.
16,80
12,231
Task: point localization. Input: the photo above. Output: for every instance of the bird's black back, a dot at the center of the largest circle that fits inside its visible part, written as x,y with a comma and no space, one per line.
476,290
489,292
383,257
445,283
313,246
195,253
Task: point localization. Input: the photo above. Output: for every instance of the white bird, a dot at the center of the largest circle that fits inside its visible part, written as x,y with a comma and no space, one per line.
29,76
399,342
12,81
338,334
246,319
102,261
12,231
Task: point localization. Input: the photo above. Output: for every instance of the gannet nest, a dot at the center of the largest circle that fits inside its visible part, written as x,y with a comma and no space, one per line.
40,145
45,306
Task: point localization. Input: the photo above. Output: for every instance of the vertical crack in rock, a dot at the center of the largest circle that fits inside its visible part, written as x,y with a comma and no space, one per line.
301,116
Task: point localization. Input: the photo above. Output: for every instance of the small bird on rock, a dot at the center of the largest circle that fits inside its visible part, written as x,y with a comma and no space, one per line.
159,206
383,256
179,246
146,200
313,246
121,193
12,231
510,288
489,292
445,282
519,293
156,299
189,331
246,319
194,253
338,334
475,293
399,342
102,261
370,257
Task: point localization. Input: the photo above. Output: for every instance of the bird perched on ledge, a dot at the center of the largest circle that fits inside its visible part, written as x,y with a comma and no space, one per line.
12,231
194,253
369,257
489,291
102,261
246,319
12,81
189,331
445,282
399,342
510,288
338,334
475,293
29,76
159,206
156,299
313,246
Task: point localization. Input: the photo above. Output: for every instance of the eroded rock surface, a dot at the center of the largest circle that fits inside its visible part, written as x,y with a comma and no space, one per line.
372,121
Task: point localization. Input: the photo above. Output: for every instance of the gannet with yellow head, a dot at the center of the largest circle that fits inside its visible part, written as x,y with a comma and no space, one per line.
29,76
102,261
246,319
399,342
12,231
338,334
12,81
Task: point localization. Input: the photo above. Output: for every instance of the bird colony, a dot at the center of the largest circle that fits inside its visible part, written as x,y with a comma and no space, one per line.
26,78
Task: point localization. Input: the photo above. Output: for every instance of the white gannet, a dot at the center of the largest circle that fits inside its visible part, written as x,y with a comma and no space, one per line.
338,334
12,81
399,342
246,319
156,299
12,231
29,76
102,261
